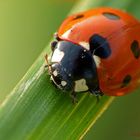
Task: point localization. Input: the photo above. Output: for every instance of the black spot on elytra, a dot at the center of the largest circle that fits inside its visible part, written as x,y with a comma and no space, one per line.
126,81
78,17
135,49
99,46
111,16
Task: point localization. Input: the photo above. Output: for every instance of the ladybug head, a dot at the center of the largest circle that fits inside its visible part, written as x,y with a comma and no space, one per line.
72,63
61,78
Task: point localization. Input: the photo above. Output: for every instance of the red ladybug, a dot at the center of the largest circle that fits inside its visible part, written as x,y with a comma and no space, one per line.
97,51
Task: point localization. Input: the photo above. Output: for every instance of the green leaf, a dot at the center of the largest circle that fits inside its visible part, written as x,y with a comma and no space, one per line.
36,110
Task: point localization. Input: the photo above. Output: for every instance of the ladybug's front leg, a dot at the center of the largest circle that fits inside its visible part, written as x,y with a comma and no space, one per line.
54,43
56,36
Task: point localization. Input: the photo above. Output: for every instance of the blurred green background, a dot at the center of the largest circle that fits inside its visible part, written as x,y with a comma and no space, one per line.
26,28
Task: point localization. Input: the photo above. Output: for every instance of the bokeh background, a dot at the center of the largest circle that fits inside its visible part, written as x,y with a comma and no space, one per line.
26,26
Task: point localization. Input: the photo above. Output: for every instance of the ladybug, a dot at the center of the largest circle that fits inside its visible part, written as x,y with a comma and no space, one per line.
97,51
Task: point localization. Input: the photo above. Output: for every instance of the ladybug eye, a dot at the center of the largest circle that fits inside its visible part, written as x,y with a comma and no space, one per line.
56,77
57,80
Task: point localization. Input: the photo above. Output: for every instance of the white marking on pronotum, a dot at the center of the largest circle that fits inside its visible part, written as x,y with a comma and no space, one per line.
97,60
85,45
55,73
63,83
80,85
57,56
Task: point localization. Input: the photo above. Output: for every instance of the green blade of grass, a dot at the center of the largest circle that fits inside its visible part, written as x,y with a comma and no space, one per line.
35,110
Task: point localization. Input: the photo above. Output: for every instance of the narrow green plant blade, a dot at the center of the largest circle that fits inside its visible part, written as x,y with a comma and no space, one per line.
36,110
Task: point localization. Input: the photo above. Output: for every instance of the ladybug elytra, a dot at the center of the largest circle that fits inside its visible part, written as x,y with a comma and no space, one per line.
97,51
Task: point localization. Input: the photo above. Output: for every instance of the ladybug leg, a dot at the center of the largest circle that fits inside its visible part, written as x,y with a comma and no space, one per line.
53,45
56,36
48,65
97,93
97,98
73,96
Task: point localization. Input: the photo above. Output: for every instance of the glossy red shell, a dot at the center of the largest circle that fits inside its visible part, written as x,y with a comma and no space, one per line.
120,34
